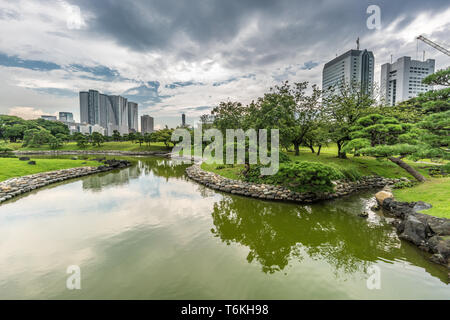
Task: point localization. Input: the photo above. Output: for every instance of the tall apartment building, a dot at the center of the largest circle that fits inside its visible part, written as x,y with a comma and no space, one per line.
354,66
110,112
133,116
66,117
147,124
402,80
183,120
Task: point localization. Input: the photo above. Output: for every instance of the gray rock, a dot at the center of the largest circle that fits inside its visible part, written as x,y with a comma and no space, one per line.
414,230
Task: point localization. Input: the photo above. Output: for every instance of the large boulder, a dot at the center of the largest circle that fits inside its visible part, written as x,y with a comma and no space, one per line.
383,195
414,231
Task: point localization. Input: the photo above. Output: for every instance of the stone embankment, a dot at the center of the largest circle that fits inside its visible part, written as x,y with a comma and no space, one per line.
92,152
429,233
271,192
17,186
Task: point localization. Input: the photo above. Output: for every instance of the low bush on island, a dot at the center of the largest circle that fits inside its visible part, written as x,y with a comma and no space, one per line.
300,176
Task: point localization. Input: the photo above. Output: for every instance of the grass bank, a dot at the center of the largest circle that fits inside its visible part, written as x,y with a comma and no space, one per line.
435,191
13,167
106,146
361,166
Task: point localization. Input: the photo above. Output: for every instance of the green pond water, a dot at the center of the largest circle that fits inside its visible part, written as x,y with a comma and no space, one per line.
148,232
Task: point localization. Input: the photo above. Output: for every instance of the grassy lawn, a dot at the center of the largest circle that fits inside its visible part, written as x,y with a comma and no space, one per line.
364,166
433,191
107,146
13,167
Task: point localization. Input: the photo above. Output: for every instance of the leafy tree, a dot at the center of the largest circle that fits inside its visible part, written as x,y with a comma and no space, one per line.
116,135
36,137
54,127
164,136
14,132
55,143
149,138
319,136
131,137
228,115
345,106
97,139
81,139
140,138
441,77
382,137
63,138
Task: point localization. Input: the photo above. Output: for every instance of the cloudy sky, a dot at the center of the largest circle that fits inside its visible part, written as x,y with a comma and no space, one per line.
175,56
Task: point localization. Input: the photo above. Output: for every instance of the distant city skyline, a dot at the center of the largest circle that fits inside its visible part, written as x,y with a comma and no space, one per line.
168,65
113,113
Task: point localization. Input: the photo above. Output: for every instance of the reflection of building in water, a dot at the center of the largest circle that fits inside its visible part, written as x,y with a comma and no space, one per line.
115,178
159,167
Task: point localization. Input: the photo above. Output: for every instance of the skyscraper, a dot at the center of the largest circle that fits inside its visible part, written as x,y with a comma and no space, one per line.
110,112
133,116
402,79
354,66
147,124
183,120
66,116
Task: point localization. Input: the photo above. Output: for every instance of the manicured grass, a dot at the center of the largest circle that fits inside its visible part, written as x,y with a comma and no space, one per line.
107,146
230,173
363,166
434,191
13,167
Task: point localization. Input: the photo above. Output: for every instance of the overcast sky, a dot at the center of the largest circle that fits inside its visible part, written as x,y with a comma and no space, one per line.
175,56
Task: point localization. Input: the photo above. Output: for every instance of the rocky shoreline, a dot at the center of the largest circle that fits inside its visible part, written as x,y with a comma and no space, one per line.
16,186
92,152
271,192
429,233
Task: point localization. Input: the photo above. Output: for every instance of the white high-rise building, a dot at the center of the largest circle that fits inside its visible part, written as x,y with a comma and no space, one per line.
147,124
133,124
110,112
402,80
354,66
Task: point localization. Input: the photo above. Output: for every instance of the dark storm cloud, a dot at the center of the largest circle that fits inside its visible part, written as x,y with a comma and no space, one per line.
284,27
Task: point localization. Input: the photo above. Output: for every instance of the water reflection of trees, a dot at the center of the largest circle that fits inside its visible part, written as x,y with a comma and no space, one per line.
277,233
159,167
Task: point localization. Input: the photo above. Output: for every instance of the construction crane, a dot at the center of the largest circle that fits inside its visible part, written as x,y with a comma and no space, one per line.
434,45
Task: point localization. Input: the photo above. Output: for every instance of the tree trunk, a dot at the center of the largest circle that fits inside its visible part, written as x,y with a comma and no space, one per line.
341,155
318,151
296,148
312,148
246,170
408,168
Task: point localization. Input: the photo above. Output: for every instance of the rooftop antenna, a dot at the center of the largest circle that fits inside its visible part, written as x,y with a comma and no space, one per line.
357,44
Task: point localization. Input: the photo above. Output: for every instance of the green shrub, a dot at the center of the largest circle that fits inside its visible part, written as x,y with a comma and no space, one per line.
284,158
446,168
404,184
300,176
220,167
